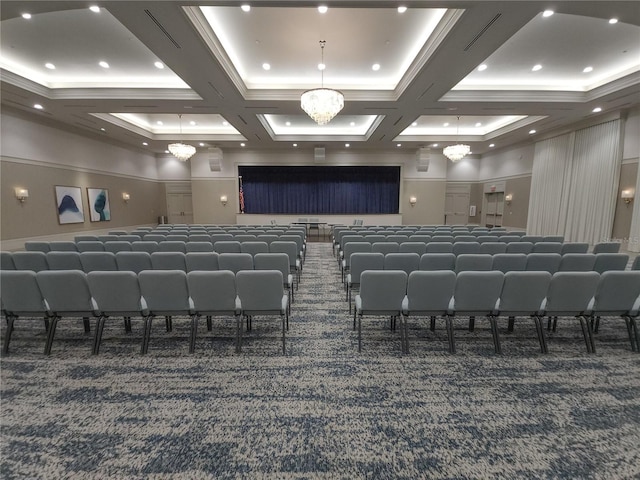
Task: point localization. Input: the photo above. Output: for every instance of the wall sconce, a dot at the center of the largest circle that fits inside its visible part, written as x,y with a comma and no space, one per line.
508,198
627,196
126,197
413,201
223,200
22,194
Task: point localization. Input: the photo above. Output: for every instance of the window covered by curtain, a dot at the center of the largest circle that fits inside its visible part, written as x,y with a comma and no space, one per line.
321,190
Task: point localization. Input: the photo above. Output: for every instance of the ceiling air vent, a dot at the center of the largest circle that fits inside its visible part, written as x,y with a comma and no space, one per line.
482,32
162,29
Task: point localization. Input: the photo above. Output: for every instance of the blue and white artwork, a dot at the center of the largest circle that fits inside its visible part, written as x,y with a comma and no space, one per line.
99,209
69,204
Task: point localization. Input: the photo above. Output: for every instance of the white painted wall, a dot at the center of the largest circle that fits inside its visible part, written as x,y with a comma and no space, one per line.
466,170
510,162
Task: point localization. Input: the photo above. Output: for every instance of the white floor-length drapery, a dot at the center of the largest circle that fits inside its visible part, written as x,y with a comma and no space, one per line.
634,232
575,182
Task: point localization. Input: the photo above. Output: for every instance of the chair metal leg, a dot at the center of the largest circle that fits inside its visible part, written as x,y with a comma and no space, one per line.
597,325
169,323
354,318
98,335
146,334
46,324
209,323
634,324
359,333
283,334
496,334
10,319
585,333
238,333
555,323
432,327
592,343
51,333
452,341
87,325
632,340
540,331
472,323
405,330
194,332
510,325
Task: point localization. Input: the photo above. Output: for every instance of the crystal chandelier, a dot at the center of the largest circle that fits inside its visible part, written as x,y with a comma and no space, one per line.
322,104
181,151
457,152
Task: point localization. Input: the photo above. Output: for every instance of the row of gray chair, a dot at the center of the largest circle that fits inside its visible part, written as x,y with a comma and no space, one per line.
53,295
493,294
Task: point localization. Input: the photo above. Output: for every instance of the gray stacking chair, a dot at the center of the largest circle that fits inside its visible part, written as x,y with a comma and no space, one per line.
570,294
254,247
374,237
261,293
439,238
268,238
532,238
476,294
493,248
574,247
617,295
235,261
276,261
473,262
166,294
221,237
298,239
509,238
64,260
429,294
547,247
6,261
385,247
168,261
21,297
117,246
360,262
419,237
407,262
133,261
349,248
63,246
116,294
439,247
398,238
636,263
67,295
382,292
172,246
610,261
606,247
213,293
520,247
30,260
90,246
437,261
131,238
202,261
108,238
34,246
177,238
523,294
465,237
547,262
199,237
245,237
227,246
291,248
154,237
85,238
577,262
413,247
462,248
487,238
145,246
98,261
199,247
553,238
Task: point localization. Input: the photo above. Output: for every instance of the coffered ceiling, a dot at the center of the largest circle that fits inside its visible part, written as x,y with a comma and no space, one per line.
491,73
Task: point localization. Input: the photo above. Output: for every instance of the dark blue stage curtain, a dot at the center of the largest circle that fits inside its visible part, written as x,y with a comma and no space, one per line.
321,190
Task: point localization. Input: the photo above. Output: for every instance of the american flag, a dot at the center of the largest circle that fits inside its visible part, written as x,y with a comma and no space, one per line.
241,194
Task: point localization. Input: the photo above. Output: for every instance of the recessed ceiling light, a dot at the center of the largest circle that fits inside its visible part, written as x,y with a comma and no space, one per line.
531,132
103,64
288,124
482,68
445,124
347,145
225,123
266,66
398,145
587,69
166,151
375,67
402,9
323,9
159,122
321,66
192,123
352,124
37,106
246,8
159,65
491,145
145,143
242,144
26,16
50,66
103,129
478,124
536,68
597,110
434,145
547,13
414,124
295,144
613,21
201,144
94,9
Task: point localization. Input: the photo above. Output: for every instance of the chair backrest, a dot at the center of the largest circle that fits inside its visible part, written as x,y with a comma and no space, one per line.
66,292
63,246
548,262
213,292
461,248
221,237
574,247
85,238
268,237
361,261
168,261
116,293
437,261
6,261
606,247
493,248
413,247
30,260
63,260
429,292
288,247
636,263
420,237
108,238
254,247
199,237
145,246
385,247
172,246
103,261
21,293
610,261
523,293
617,293
407,262
165,291
133,261
439,247
553,238
227,246
577,262
199,247
117,246
509,238
352,247
487,238
117,232
154,237
547,247
571,292
130,238
260,291
33,246
457,237
177,238
473,262
476,293
202,261
441,238
398,238
90,246
509,262
532,238
235,261
520,247
273,261
382,291
245,237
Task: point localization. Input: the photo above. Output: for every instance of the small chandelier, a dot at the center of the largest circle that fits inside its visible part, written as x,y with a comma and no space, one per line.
457,152
181,151
322,104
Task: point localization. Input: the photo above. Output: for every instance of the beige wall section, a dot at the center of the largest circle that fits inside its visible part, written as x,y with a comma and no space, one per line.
207,207
429,208
515,215
475,198
37,216
624,212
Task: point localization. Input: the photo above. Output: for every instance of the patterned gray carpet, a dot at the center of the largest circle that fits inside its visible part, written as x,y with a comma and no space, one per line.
323,411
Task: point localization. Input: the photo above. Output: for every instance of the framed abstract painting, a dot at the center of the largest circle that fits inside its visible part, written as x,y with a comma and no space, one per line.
99,208
69,204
